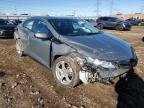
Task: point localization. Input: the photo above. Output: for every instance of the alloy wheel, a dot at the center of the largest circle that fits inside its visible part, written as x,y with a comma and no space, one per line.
64,73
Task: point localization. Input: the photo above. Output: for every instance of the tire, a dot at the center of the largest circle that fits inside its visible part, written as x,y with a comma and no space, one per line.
66,72
100,26
19,48
143,39
119,28
129,29
139,24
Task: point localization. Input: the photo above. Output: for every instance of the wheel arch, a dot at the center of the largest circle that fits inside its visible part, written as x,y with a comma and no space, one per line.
59,50
118,24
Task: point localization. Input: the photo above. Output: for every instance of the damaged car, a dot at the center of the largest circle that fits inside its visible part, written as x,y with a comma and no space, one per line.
74,50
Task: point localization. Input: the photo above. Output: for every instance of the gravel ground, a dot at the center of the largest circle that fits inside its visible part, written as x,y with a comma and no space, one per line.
26,84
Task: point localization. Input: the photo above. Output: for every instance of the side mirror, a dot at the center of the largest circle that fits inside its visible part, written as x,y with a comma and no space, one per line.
41,35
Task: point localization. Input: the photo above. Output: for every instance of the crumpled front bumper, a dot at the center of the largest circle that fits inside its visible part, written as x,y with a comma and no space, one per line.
122,67
113,73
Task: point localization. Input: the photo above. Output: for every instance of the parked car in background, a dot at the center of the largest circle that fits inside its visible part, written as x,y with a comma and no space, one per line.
16,22
74,50
92,22
113,23
142,22
6,28
134,21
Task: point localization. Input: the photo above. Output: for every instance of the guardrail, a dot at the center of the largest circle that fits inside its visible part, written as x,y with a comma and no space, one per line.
14,17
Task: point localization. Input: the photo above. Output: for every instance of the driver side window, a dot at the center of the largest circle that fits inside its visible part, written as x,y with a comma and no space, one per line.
40,27
29,24
113,20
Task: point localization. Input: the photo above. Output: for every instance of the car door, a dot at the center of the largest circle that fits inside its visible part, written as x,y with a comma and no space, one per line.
106,22
112,22
26,31
40,48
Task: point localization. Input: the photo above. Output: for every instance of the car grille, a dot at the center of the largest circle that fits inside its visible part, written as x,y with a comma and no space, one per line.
8,32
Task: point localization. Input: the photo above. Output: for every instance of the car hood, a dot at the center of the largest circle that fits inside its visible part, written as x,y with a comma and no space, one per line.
101,46
7,27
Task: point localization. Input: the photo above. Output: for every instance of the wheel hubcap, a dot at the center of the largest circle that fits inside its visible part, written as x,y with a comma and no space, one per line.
64,72
100,26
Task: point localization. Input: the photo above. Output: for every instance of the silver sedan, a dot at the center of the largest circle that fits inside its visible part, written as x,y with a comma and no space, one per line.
74,50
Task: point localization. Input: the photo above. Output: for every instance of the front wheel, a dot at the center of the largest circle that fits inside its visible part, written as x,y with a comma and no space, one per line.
65,72
119,27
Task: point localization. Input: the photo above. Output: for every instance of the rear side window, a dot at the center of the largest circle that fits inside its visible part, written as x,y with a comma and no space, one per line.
29,24
101,18
112,19
105,19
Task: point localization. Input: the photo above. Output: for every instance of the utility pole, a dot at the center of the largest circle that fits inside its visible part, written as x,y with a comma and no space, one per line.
15,8
74,13
111,7
97,11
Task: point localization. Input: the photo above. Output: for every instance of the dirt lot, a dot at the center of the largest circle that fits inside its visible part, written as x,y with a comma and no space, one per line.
26,84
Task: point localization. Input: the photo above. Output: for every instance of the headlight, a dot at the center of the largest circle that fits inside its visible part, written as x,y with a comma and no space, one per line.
97,62
1,32
123,25
134,54
80,60
133,51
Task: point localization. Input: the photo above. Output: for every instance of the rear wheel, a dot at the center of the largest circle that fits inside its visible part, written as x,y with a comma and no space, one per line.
100,26
65,72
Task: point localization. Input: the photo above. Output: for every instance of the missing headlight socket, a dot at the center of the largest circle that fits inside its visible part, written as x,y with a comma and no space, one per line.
91,73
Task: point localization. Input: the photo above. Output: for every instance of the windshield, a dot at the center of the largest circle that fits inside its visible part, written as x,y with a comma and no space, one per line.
72,27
